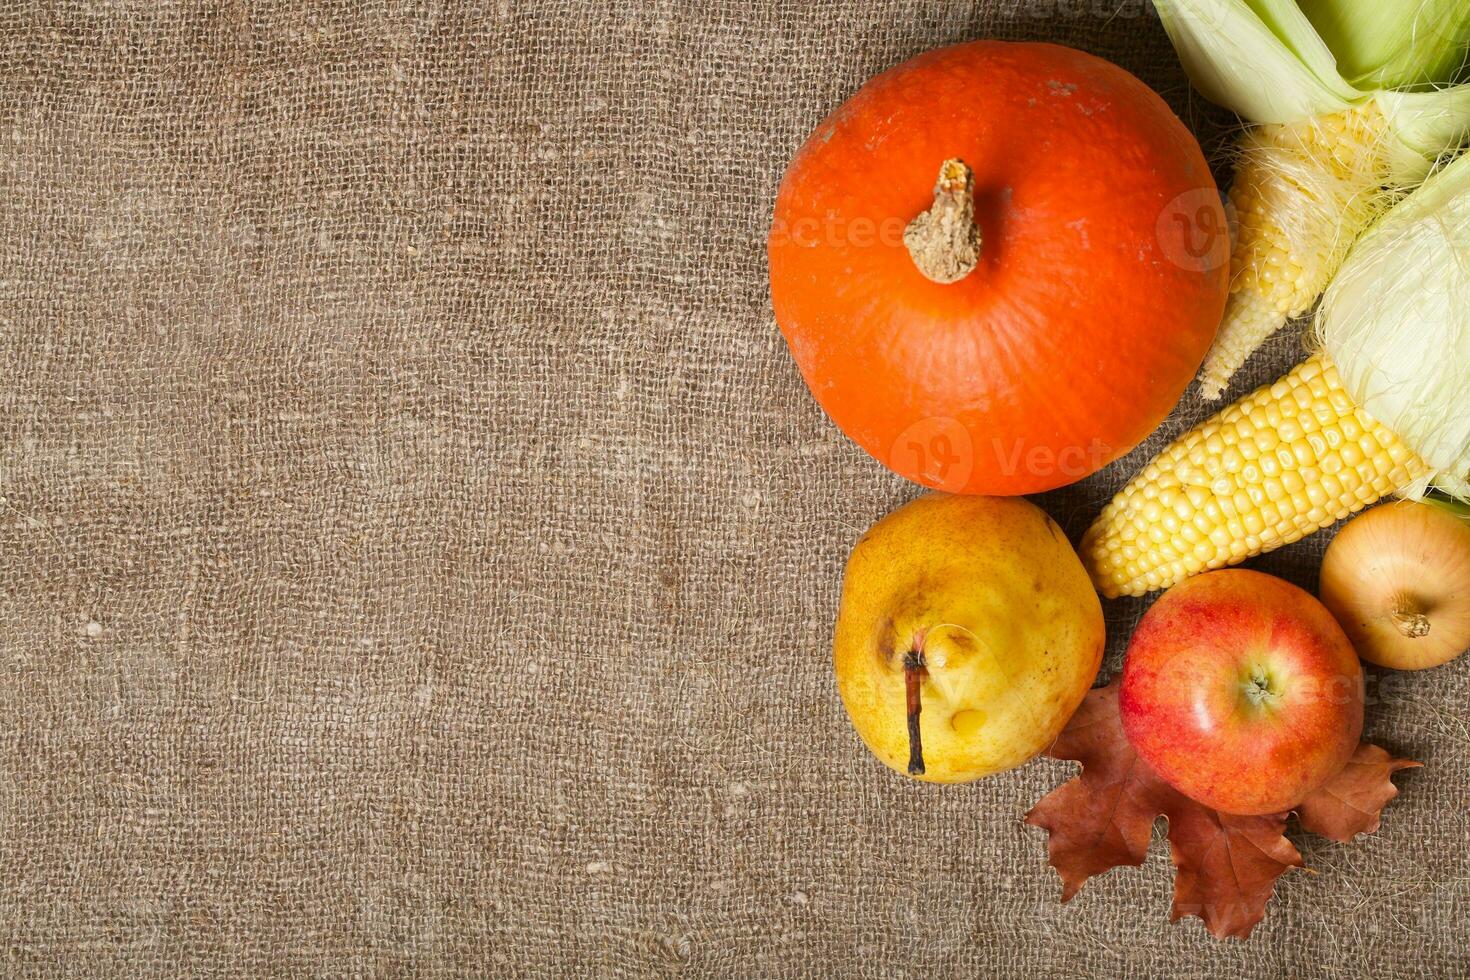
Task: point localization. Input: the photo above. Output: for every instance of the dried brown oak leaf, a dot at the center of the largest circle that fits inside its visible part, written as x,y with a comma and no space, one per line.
1227,865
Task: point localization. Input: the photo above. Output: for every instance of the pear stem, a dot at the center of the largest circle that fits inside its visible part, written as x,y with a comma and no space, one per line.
913,679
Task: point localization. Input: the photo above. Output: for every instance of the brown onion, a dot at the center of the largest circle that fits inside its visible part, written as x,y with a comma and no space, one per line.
1398,580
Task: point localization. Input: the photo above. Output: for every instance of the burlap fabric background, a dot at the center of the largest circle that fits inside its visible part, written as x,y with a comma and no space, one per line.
419,553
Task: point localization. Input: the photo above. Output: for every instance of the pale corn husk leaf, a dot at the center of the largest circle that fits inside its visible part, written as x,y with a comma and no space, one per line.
1396,321
1266,69
1423,126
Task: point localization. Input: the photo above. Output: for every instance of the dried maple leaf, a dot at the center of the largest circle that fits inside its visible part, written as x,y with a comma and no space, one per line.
1352,800
1226,866
1103,818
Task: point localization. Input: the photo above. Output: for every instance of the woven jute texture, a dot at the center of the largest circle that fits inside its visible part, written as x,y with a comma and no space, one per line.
419,553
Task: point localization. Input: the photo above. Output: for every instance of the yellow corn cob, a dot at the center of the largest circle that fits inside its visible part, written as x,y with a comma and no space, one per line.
1286,460
1302,193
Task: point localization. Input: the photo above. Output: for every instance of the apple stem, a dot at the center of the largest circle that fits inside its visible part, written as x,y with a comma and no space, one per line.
913,679
1258,689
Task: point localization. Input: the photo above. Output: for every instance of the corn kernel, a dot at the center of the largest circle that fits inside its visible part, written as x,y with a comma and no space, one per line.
1220,494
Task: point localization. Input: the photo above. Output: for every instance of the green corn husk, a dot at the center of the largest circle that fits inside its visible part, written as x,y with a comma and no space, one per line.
1447,503
1394,44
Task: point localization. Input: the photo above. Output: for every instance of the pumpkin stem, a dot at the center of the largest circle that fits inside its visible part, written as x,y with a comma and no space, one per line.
1408,618
944,241
913,679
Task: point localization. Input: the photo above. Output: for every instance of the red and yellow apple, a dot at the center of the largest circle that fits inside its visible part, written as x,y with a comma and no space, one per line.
1242,692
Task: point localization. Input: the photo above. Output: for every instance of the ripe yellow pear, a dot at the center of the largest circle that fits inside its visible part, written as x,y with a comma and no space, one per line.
968,634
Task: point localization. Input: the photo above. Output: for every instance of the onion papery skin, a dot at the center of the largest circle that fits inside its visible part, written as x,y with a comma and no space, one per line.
1397,578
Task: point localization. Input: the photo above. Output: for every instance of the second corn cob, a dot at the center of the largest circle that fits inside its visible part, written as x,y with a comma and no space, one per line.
1287,460
1302,192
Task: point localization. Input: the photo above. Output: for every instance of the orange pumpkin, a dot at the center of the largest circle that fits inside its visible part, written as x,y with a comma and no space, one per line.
1033,314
